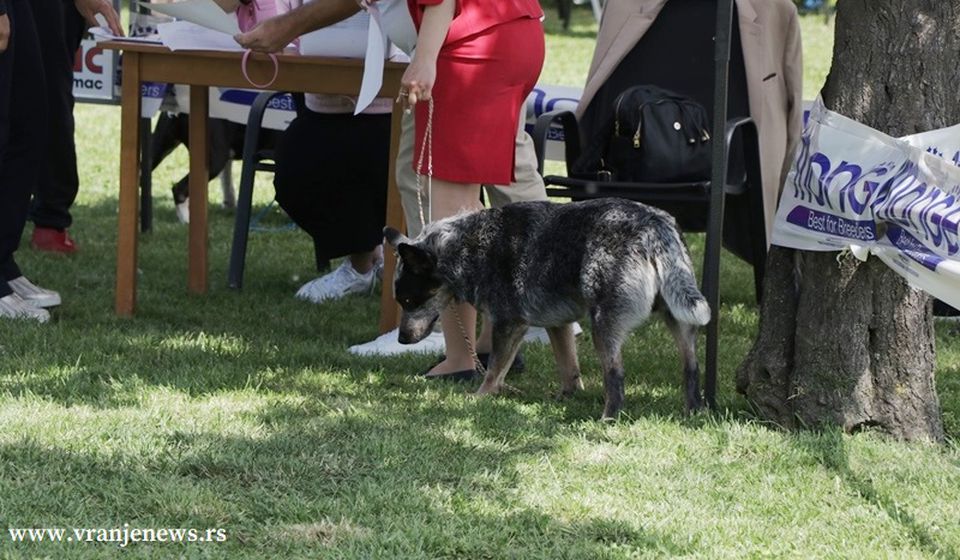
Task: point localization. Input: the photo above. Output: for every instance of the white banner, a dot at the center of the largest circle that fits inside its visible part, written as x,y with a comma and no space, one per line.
93,72
854,187
234,105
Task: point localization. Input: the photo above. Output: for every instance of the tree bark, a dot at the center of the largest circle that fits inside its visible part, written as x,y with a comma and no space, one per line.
842,341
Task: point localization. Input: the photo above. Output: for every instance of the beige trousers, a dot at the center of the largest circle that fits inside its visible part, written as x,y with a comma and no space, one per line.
528,184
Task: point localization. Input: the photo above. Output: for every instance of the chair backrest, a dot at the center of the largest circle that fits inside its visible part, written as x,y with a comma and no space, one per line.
677,53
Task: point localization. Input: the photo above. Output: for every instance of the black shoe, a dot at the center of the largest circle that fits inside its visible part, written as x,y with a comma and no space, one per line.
461,376
518,365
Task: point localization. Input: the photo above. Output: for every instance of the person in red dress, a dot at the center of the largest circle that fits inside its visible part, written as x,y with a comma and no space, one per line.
477,60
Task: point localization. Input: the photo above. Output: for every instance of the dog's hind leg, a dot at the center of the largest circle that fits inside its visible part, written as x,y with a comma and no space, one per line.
608,337
506,342
564,346
226,187
686,337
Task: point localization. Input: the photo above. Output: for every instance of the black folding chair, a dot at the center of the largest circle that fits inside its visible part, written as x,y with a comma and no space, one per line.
675,53
254,159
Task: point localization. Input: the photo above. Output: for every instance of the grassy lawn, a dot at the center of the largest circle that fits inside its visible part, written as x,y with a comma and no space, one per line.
243,411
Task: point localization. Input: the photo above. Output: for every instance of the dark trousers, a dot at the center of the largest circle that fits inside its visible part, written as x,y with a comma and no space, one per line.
23,131
331,179
60,30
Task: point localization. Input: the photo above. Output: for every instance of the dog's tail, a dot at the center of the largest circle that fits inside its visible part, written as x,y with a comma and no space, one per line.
679,291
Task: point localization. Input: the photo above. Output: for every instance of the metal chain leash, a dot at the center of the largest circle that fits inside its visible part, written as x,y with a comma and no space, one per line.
426,149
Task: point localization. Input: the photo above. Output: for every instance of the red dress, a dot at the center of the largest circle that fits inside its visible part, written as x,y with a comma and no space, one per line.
488,64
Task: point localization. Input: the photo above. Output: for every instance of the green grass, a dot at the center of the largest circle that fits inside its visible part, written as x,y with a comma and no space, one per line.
243,411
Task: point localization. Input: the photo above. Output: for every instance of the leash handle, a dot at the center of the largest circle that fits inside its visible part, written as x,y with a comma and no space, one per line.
246,75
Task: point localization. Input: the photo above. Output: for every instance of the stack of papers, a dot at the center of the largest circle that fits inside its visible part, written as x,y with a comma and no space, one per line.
201,12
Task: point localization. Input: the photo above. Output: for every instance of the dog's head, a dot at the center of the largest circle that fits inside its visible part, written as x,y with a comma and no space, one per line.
417,287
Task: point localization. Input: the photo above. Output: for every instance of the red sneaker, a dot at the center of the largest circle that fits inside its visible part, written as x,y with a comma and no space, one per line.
49,239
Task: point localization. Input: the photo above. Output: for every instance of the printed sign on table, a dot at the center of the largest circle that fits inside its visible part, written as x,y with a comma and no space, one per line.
93,73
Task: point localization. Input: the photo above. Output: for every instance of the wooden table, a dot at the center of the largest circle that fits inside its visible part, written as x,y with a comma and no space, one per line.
200,70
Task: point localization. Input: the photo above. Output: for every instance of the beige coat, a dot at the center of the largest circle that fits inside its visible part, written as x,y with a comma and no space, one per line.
770,38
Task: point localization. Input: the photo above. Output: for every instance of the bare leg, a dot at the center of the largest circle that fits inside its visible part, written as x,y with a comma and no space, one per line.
485,340
450,199
564,346
365,261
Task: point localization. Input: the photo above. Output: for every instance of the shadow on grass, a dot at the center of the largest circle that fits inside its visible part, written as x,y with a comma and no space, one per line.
397,478
829,449
261,336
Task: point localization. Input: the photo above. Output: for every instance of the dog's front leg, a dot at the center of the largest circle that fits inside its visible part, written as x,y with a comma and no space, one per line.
564,346
506,342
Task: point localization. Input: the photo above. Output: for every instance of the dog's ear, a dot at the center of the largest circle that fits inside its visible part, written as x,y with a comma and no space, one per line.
394,237
417,260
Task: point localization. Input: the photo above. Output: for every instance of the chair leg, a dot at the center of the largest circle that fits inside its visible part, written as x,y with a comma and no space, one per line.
146,176
755,194
759,242
711,288
241,224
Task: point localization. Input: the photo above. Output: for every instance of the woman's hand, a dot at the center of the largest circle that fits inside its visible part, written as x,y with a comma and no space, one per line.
90,8
269,36
418,79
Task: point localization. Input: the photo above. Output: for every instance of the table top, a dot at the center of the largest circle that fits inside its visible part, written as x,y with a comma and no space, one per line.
294,72
287,57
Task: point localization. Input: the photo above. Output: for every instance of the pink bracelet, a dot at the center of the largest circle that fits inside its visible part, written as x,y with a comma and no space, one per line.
276,70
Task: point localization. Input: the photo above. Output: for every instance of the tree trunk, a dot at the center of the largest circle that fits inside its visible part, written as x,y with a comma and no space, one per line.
842,341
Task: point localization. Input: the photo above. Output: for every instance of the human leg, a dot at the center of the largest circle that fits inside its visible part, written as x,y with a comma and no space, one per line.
459,321
60,31
331,180
23,117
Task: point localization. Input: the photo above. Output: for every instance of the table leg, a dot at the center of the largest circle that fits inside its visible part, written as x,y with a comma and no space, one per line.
126,289
199,148
389,310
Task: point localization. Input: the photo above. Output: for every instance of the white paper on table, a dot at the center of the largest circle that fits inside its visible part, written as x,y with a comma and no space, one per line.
186,36
201,12
104,34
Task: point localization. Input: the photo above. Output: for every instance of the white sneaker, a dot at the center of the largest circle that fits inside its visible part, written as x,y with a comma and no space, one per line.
33,294
386,345
341,282
539,334
14,307
183,212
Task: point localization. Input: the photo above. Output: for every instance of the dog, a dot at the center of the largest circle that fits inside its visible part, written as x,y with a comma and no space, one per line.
548,264
226,145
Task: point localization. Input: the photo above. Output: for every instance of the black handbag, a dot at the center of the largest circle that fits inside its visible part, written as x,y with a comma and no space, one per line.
652,135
